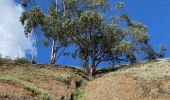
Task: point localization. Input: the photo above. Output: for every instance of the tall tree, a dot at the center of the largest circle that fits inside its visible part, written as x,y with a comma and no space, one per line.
51,23
100,41
31,20
52,27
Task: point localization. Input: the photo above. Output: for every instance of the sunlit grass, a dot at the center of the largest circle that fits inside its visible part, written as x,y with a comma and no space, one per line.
39,72
148,70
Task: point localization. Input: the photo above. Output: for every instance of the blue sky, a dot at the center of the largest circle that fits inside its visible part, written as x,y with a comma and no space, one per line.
153,13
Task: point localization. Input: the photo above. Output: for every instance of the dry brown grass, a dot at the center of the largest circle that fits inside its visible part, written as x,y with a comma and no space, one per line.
141,81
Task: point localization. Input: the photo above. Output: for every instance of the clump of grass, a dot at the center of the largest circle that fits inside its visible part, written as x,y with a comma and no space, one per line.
22,61
78,94
41,94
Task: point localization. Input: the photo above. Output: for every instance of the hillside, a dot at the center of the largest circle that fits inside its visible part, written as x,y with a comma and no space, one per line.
141,81
39,82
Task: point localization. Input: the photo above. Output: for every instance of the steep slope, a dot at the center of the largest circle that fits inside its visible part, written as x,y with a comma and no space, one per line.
141,81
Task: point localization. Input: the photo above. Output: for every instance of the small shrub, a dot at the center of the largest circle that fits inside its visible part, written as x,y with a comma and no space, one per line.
22,61
78,94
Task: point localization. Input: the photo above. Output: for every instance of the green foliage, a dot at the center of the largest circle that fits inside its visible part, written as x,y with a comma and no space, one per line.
78,94
31,19
119,5
22,61
52,24
45,42
163,49
24,4
151,54
100,41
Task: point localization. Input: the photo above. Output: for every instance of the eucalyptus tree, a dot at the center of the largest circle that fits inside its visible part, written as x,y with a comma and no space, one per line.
150,54
53,29
98,40
84,23
31,20
53,24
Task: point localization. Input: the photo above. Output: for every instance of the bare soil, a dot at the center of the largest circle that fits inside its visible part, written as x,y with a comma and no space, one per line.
14,92
58,89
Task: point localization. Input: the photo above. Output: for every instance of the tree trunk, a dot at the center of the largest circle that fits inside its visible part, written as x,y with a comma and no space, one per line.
53,52
86,62
93,66
92,70
34,48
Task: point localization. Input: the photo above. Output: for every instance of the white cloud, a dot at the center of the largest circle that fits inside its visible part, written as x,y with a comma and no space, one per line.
13,42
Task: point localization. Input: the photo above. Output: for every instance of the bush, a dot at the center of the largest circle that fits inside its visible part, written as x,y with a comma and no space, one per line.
78,94
22,61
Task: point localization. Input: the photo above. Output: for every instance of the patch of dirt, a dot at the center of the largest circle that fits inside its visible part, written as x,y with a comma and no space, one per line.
58,89
124,87
13,92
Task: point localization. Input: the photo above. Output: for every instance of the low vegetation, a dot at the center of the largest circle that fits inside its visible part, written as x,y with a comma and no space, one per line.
140,81
31,76
79,94
148,70
53,82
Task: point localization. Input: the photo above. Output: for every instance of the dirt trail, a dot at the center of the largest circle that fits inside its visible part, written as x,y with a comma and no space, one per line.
123,87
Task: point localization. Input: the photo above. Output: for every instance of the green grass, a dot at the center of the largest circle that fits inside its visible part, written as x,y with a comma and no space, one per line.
40,72
79,94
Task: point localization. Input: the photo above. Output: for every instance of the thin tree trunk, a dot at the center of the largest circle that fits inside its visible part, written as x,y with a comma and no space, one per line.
54,52
34,48
56,5
52,58
93,66
92,70
86,64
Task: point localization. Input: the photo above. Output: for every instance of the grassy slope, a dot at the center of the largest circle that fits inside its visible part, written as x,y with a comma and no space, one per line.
23,75
65,80
148,70
140,81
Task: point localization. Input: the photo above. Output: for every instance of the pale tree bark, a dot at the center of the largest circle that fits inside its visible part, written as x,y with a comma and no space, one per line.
54,51
34,47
